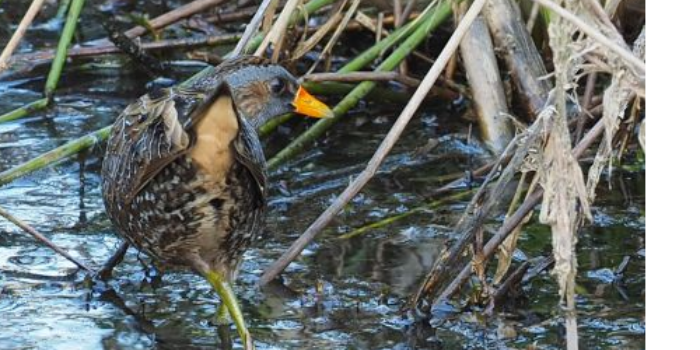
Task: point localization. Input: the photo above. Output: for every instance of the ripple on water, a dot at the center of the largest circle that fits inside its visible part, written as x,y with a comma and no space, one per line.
8,302
28,261
34,263
286,325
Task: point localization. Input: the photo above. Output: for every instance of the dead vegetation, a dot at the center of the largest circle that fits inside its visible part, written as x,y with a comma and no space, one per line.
595,86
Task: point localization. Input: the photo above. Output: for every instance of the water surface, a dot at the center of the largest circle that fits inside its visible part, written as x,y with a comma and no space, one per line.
340,294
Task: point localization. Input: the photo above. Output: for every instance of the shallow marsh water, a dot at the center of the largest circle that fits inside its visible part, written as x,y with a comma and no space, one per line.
340,294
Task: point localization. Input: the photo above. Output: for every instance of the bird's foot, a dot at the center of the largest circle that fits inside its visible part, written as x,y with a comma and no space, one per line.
222,316
225,292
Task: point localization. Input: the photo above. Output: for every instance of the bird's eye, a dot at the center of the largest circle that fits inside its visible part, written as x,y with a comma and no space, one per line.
277,86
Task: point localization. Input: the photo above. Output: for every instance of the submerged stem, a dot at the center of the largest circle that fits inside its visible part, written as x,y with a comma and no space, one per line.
416,210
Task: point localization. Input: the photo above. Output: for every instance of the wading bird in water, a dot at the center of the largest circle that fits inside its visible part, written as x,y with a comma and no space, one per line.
184,176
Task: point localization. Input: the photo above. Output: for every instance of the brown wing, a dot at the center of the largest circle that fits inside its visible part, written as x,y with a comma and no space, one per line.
250,154
148,135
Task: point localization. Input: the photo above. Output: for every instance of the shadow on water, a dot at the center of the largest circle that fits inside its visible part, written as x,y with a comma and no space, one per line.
340,294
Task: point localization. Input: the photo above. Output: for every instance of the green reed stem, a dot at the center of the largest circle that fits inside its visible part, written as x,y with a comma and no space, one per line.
62,50
56,66
392,219
359,62
426,24
54,155
25,110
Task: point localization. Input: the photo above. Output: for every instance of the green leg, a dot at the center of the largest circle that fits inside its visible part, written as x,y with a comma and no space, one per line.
222,317
225,292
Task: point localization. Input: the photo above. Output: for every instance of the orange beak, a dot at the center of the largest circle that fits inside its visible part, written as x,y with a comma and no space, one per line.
310,106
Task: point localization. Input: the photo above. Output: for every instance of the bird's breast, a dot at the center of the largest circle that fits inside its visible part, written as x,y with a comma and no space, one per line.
215,131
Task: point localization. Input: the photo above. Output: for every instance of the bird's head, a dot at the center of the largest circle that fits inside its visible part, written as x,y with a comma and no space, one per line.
263,91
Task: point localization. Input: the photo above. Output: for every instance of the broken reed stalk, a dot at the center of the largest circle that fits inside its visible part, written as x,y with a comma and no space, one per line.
361,20
251,28
38,236
513,279
418,29
95,137
480,208
484,78
148,46
565,203
55,155
363,76
235,14
309,8
387,144
507,249
25,110
17,36
624,53
154,24
276,34
173,16
522,59
349,13
309,43
386,221
56,67
453,258
509,224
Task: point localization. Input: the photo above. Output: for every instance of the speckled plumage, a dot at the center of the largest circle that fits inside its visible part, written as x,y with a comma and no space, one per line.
157,194
183,178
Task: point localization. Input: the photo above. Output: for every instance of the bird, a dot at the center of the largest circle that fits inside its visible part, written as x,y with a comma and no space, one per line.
184,176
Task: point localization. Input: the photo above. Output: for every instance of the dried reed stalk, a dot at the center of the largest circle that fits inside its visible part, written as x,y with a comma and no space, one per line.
381,153
41,238
19,33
